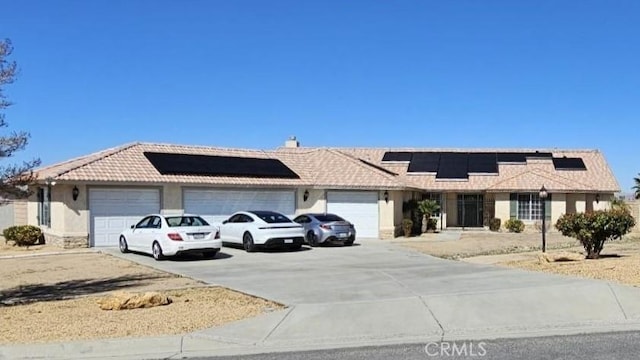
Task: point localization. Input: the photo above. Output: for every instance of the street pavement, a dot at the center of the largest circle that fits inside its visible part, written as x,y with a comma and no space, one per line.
376,293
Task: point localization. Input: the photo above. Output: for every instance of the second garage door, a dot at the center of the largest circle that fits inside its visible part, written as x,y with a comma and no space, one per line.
359,207
215,205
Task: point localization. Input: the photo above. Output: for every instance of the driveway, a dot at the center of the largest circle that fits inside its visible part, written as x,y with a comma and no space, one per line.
378,292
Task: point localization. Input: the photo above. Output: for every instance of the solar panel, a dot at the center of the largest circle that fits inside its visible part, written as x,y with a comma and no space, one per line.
512,157
209,165
483,163
565,163
397,156
424,162
453,166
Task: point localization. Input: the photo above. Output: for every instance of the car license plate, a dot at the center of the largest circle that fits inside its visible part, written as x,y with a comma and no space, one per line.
342,235
198,236
288,241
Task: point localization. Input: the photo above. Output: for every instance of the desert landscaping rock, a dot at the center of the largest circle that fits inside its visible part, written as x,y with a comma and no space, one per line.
128,301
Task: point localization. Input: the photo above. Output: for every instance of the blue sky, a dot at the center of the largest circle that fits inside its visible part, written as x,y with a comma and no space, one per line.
536,74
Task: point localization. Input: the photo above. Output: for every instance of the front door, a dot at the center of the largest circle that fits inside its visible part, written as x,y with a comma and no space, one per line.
470,210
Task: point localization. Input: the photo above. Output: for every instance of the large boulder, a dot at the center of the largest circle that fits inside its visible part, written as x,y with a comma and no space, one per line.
123,301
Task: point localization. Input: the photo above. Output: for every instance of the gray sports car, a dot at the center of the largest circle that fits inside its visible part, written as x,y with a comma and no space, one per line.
324,228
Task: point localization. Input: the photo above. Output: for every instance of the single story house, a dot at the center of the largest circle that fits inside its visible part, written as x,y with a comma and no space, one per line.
88,200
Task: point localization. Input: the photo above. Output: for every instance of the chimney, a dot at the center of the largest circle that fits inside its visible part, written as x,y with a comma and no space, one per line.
291,142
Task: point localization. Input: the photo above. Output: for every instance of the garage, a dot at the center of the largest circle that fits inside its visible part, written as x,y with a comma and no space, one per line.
113,210
215,205
359,207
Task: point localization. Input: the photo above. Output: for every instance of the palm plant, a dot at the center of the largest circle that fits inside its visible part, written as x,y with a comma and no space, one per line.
427,208
637,186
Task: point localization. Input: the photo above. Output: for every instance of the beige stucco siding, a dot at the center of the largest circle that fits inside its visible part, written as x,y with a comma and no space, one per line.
558,206
316,202
386,213
172,199
502,207
75,213
576,203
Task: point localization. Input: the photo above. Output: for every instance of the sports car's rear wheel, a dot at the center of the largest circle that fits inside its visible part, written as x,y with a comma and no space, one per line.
312,239
124,247
350,241
247,242
156,250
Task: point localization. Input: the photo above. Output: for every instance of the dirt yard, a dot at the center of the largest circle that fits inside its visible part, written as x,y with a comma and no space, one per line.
54,298
620,260
475,243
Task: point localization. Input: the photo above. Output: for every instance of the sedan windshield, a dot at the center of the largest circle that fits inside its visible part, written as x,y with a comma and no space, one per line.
174,221
272,217
328,218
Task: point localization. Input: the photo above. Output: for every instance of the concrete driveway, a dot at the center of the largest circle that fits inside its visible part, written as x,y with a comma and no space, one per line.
377,292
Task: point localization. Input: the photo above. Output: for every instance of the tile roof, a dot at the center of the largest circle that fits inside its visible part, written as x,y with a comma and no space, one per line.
127,164
348,168
523,177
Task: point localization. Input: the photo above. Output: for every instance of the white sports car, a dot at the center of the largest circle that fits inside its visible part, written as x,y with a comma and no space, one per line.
168,235
261,228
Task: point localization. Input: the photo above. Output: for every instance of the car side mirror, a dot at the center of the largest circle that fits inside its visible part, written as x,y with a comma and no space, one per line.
133,226
226,221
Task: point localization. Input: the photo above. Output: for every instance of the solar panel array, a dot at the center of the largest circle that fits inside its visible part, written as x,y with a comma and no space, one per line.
458,165
209,165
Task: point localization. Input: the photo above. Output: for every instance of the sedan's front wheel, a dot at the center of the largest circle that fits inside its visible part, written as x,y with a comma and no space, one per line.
247,241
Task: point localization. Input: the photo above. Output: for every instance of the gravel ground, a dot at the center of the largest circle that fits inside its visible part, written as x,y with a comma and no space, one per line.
620,260
50,298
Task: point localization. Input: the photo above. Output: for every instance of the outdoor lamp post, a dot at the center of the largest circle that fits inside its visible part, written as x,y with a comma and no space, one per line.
543,199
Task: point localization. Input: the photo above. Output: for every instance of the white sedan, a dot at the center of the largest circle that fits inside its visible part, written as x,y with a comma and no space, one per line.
262,228
169,235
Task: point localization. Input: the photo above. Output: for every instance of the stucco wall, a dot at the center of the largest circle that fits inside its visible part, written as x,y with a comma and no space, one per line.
316,202
502,207
576,203
387,215
75,213
172,199
558,207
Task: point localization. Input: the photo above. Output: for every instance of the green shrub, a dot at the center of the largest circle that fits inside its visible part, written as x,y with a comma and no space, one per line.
494,224
514,225
432,224
593,229
23,235
407,226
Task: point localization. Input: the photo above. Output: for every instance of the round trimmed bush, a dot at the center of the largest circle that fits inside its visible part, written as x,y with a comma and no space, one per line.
514,225
23,235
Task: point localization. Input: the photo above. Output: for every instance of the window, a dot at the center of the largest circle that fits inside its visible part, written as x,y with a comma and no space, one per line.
144,223
329,218
155,223
529,207
302,219
174,221
271,217
44,206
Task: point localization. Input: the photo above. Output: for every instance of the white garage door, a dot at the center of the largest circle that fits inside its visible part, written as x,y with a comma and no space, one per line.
358,207
215,205
113,210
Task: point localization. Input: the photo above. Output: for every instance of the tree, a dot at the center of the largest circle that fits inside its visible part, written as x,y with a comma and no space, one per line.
637,186
594,228
14,178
